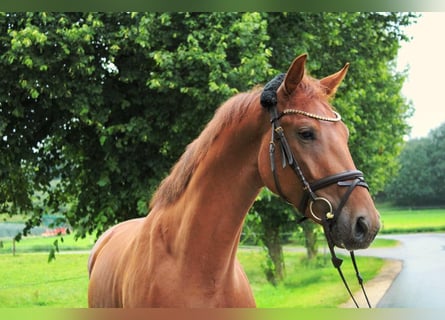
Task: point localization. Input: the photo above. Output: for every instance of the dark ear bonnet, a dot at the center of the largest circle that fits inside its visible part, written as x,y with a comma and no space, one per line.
269,95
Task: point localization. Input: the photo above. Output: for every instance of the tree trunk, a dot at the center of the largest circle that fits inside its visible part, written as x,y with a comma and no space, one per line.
310,237
275,268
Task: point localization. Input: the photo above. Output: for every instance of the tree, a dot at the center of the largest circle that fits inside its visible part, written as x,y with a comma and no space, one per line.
422,172
274,218
104,103
96,107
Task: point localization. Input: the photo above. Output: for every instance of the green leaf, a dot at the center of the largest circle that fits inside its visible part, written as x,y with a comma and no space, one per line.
34,93
104,180
27,61
51,255
56,245
102,140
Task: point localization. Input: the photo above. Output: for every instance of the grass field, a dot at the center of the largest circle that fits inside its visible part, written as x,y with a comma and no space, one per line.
28,280
307,285
411,220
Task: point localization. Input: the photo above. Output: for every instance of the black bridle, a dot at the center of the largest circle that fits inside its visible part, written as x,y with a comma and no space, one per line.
349,179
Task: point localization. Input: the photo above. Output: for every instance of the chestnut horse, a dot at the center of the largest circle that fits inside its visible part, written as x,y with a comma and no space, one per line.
183,253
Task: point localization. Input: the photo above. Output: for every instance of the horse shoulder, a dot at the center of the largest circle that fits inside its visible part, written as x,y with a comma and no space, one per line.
117,231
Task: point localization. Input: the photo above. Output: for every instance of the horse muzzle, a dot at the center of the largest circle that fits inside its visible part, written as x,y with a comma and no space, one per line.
354,233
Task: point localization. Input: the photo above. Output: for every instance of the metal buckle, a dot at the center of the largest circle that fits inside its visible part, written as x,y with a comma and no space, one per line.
321,202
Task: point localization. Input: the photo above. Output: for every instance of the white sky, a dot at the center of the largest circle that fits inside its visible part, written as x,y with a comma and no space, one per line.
425,57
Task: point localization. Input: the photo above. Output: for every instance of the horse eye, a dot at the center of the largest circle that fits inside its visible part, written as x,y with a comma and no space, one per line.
306,134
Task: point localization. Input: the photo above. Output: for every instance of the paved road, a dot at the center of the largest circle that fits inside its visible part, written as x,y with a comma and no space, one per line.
421,283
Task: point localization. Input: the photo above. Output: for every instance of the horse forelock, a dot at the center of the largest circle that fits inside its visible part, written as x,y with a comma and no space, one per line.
231,111
312,88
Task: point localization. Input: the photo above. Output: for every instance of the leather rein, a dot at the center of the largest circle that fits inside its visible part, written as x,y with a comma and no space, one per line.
349,179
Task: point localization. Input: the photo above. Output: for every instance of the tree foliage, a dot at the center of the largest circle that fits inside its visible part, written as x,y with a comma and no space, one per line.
422,172
105,103
96,107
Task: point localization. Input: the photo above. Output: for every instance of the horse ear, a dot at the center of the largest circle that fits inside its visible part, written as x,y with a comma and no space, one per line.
331,83
295,74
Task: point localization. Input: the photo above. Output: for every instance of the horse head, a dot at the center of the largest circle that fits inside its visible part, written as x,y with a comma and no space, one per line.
306,160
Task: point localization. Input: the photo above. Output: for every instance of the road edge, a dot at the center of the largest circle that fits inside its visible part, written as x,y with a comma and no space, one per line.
377,287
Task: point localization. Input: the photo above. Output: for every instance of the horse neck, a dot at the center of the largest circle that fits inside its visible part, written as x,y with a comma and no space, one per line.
210,214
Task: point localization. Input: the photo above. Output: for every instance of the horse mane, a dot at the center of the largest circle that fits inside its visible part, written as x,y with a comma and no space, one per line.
174,185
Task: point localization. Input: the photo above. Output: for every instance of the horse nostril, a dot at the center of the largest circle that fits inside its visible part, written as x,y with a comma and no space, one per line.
361,228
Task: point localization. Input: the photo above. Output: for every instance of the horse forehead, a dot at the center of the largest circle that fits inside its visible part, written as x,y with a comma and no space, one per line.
336,132
318,108
310,102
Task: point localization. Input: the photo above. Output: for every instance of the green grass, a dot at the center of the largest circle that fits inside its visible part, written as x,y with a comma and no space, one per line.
412,220
307,285
28,280
384,243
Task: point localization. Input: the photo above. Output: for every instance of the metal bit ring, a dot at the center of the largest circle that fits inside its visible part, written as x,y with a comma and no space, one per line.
328,214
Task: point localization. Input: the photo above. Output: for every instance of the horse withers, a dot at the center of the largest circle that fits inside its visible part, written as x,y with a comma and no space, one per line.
285,136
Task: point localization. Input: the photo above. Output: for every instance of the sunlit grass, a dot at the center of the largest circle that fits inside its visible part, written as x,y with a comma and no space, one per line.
28,280
307,284
412,220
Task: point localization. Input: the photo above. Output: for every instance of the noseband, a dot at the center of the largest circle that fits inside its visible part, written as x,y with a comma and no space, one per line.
310,199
